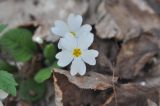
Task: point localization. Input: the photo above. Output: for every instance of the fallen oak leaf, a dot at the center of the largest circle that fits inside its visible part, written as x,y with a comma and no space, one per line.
134,55
77,91
92,80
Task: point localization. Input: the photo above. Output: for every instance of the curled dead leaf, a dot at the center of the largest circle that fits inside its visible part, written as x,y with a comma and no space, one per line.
92,80
73,90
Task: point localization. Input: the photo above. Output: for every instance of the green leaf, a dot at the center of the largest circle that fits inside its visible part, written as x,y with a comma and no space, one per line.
2,27
29,90
7,82
43,75
55,65
5,66
49,52
18,43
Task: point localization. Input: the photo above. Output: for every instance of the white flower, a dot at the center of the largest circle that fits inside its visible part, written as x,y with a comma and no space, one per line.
76,51
3,95
73,26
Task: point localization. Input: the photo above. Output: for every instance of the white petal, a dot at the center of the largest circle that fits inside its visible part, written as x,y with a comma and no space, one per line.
60,28
85,41
68,42
3,94
59,44
85,29
89,56
74,22
64,58
1,103
78,66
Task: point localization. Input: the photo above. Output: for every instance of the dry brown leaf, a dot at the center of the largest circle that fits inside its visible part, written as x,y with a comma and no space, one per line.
151,103
39,13
133,94
72,91
108,51
134,55
106,27
125,19
92,80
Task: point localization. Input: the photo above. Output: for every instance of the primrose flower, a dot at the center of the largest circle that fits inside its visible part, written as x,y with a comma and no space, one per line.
3,95
76,51
73,26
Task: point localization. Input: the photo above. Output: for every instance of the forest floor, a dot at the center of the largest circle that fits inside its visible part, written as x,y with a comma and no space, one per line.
127,36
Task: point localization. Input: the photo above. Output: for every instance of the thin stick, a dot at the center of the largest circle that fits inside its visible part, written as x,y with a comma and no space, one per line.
114,88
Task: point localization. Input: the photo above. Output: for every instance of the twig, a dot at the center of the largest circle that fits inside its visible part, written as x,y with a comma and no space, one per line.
113,80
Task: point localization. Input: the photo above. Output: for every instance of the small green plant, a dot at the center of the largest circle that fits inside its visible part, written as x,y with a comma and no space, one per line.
49,53
7,67
43,75
16,46
30,90
7,82
2,27
18,43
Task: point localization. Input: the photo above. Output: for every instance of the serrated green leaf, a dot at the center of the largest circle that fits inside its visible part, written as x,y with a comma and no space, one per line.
7,82
29,90
18,43
49,52
43,75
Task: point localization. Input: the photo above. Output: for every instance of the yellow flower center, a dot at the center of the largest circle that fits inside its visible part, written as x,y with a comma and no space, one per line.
77,52
73,34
